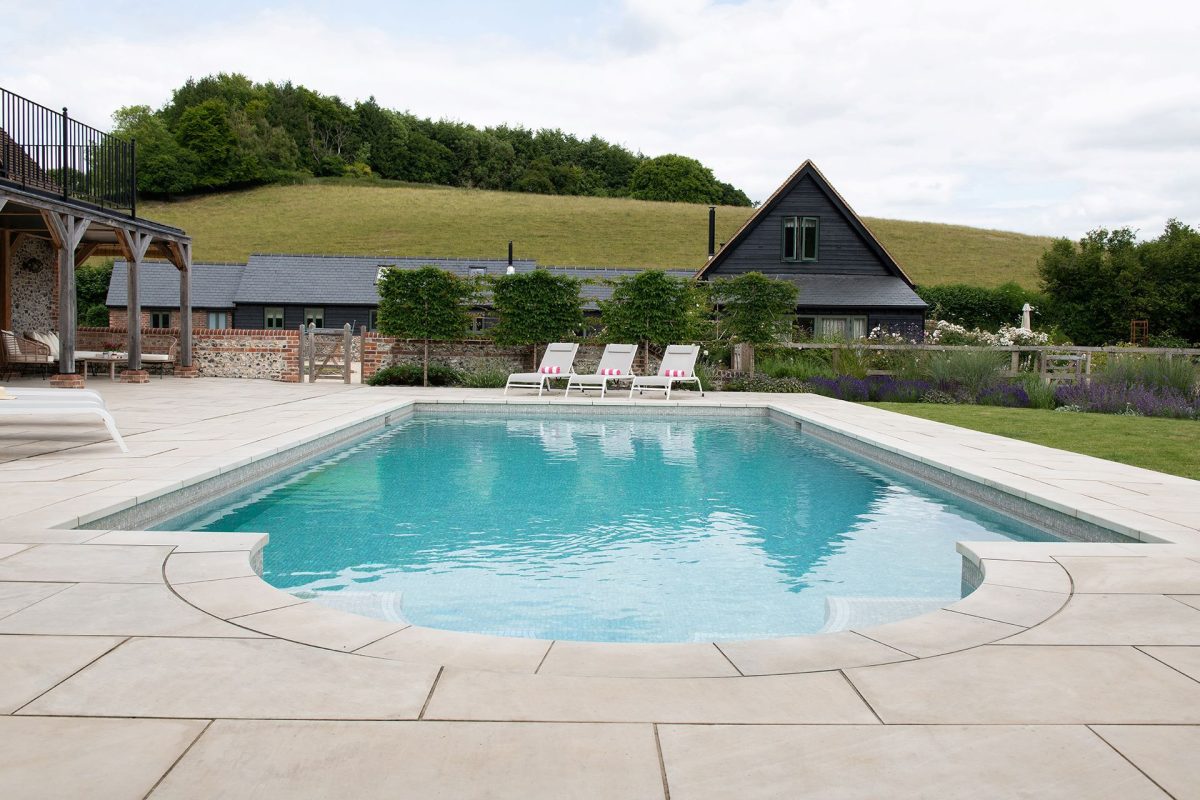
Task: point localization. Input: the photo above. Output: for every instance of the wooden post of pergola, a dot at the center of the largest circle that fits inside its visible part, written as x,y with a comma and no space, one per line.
134,244
181,257
67,231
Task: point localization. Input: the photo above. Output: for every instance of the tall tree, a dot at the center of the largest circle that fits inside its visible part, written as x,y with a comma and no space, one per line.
536,308
754,308
426,304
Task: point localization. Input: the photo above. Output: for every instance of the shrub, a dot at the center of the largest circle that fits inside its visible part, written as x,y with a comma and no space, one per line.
410,375
763,383
485,375
843,387
801,368
1009,395
1040,393
1116,398
976,306
1155,372
973,370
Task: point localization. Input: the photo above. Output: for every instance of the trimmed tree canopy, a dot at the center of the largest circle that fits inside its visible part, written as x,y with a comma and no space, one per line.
754,308
426,303
653,307
536,307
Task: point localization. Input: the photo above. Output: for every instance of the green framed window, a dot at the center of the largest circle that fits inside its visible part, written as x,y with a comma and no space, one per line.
314,317
801,238
273,317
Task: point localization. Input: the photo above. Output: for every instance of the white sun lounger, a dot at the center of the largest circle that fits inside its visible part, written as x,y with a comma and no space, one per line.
615,365
33,403
557,362
678,366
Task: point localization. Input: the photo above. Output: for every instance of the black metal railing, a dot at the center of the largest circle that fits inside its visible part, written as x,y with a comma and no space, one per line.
48,152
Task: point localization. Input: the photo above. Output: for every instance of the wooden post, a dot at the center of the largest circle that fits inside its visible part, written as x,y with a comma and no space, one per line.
185,309
1016,363
347,351
312,352
67,232
134,245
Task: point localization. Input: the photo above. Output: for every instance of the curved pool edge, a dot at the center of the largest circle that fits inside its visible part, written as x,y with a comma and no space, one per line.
1018,592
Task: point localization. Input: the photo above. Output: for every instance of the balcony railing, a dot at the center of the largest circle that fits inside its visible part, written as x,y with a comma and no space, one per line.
48,152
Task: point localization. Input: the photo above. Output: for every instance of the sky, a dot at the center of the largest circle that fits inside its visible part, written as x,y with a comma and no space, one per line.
1053,117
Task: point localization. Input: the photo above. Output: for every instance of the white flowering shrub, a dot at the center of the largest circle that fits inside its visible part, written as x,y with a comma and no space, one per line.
950,334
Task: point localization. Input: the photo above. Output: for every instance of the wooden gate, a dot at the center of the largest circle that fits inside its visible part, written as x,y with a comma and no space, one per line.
326,353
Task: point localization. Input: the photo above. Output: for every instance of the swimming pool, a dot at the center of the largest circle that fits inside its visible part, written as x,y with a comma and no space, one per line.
609,528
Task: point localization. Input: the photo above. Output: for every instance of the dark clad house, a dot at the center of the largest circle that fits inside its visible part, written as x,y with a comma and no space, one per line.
805,233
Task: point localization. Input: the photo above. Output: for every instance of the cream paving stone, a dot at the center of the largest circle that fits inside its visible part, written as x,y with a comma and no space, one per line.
22,535
1150,575
100,759
186,541
17,595
1041,551
1192,600
1117,619
192,567
417,759
29,665
826,651
235,597
820,697
938,632
1166,753
317,625
1043,685
458,649
713,762
1022,607
636,660
114,609
1184,659
237,679
82,563
7,550
1027,575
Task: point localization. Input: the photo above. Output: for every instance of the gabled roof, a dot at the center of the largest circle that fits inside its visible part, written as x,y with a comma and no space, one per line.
213,285
808,170
865,292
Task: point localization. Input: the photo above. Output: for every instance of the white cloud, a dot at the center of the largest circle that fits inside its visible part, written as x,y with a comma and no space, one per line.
1043,117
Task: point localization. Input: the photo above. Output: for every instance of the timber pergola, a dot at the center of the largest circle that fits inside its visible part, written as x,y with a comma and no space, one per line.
78,232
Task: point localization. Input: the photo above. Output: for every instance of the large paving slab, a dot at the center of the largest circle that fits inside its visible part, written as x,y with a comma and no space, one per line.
365,760
1012,684
1117,619
808,653
1166,753
100,759
821,697
713,762
89,563
1151,575
15,596
239,678
31,665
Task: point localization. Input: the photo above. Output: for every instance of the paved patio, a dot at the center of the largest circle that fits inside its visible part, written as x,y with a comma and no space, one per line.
157,664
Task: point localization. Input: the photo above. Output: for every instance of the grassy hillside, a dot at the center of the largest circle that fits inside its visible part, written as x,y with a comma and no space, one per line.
397,219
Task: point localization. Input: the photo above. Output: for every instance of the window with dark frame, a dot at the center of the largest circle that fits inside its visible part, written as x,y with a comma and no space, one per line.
217,320
314,317
372,320
273,317
801,237
160,319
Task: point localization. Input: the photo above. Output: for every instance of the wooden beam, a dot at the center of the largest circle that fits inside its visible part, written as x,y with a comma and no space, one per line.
3,202
185,304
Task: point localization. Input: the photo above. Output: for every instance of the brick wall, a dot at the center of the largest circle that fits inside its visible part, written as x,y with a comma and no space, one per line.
119,318
226,353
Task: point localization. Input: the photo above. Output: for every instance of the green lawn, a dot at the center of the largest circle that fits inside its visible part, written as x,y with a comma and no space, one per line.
335,217
1164,445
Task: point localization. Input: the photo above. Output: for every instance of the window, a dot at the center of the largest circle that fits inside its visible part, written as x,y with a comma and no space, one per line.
800,238
314,317
804,329
273,317
847,328
160,319
372,320
217,320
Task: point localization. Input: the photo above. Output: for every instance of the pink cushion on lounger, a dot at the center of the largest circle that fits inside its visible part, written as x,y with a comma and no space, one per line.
675,373
550,370
610,371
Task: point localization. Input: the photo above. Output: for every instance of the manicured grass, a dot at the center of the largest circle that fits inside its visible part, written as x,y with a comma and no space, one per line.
335,217
1164,445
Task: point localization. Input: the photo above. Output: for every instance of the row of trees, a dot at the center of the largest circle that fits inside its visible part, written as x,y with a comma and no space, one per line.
225,131
1098,285
534,308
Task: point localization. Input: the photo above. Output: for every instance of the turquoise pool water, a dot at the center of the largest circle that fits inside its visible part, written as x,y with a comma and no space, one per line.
607,529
